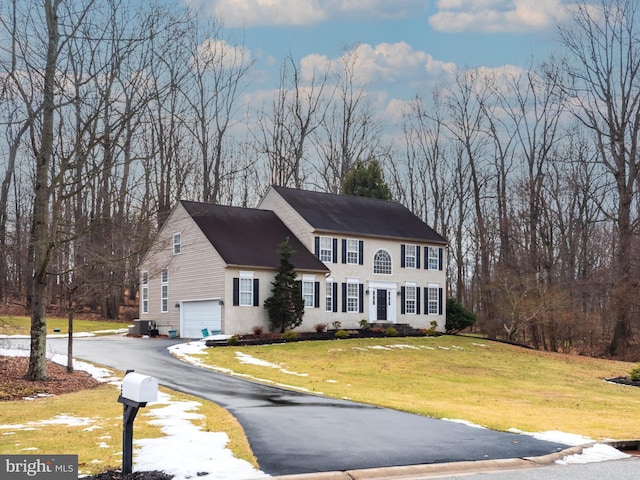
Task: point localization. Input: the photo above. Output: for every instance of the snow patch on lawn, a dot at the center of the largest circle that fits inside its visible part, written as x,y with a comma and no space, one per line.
249,360
185,352
186,451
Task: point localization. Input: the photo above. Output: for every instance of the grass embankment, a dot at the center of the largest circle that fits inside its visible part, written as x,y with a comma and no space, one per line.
20,325
89,423
491,384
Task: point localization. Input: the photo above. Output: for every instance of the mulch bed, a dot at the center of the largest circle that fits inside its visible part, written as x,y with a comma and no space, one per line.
624,381
15,386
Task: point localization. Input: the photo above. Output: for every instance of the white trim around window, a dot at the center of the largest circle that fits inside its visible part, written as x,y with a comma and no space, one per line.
433,299
410,256
353,296
245,285
328,298
434,258
308,291
353,251
164,291
410,298
144,292
326,249
177,243
382,264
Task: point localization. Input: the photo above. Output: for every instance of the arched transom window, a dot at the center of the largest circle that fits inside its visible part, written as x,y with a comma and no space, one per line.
382,262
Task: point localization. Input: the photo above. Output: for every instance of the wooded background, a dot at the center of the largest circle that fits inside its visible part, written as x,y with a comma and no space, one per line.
111,112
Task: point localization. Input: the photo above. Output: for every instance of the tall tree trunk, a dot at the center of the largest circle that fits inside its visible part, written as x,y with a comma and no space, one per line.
41,243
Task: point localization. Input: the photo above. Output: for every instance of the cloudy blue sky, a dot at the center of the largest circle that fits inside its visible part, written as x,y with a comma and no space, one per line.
405,46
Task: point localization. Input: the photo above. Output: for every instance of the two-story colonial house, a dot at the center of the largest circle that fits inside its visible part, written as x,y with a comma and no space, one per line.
357,258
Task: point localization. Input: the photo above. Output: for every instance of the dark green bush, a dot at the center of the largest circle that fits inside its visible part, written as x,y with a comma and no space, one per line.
458,317
232,340
391,332
634,374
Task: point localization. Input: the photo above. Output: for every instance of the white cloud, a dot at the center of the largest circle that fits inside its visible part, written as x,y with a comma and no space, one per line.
303,12
384,63
219,53
497,15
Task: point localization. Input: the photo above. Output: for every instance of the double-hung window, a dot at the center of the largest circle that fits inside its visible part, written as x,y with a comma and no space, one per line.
177,243
410,299
246,291
308,292
144,292
164,291
434,258
353,297
410,256
353,251
326,249
433,300
328,299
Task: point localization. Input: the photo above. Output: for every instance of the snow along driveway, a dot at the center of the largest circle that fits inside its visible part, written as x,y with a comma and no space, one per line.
292,432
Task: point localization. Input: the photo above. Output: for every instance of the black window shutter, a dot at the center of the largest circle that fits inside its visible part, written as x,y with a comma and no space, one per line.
335,296
402,305
316,295
403,250
335,250
439,301
236,291
344,297
360,252
361,297
317,246
440,255
344,250
426,300
417,300
256,292
426,258
417,257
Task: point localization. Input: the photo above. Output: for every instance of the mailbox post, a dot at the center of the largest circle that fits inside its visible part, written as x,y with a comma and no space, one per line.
136,391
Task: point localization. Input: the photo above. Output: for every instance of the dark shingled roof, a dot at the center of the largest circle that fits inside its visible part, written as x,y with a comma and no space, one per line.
353,215
250,237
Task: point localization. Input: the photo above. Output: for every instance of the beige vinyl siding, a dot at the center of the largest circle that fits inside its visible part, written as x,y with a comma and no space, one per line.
197,273
292,219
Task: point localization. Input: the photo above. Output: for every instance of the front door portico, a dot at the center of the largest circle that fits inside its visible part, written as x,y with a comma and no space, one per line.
382,301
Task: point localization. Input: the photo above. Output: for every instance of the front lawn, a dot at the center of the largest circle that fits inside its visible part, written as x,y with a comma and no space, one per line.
88,423
491,384
21,325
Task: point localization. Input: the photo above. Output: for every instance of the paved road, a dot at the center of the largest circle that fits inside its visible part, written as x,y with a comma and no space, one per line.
628,469
293,433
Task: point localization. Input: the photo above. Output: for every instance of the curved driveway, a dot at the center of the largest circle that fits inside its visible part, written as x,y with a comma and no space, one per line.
291,432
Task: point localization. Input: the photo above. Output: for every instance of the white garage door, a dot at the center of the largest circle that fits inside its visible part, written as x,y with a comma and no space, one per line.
197,315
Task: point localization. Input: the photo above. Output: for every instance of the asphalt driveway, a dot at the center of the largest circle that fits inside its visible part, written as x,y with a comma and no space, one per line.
293,433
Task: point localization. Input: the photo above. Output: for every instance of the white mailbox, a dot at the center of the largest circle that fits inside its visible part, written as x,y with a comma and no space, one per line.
139,388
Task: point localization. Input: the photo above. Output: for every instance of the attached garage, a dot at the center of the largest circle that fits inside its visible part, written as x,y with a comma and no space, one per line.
200,314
